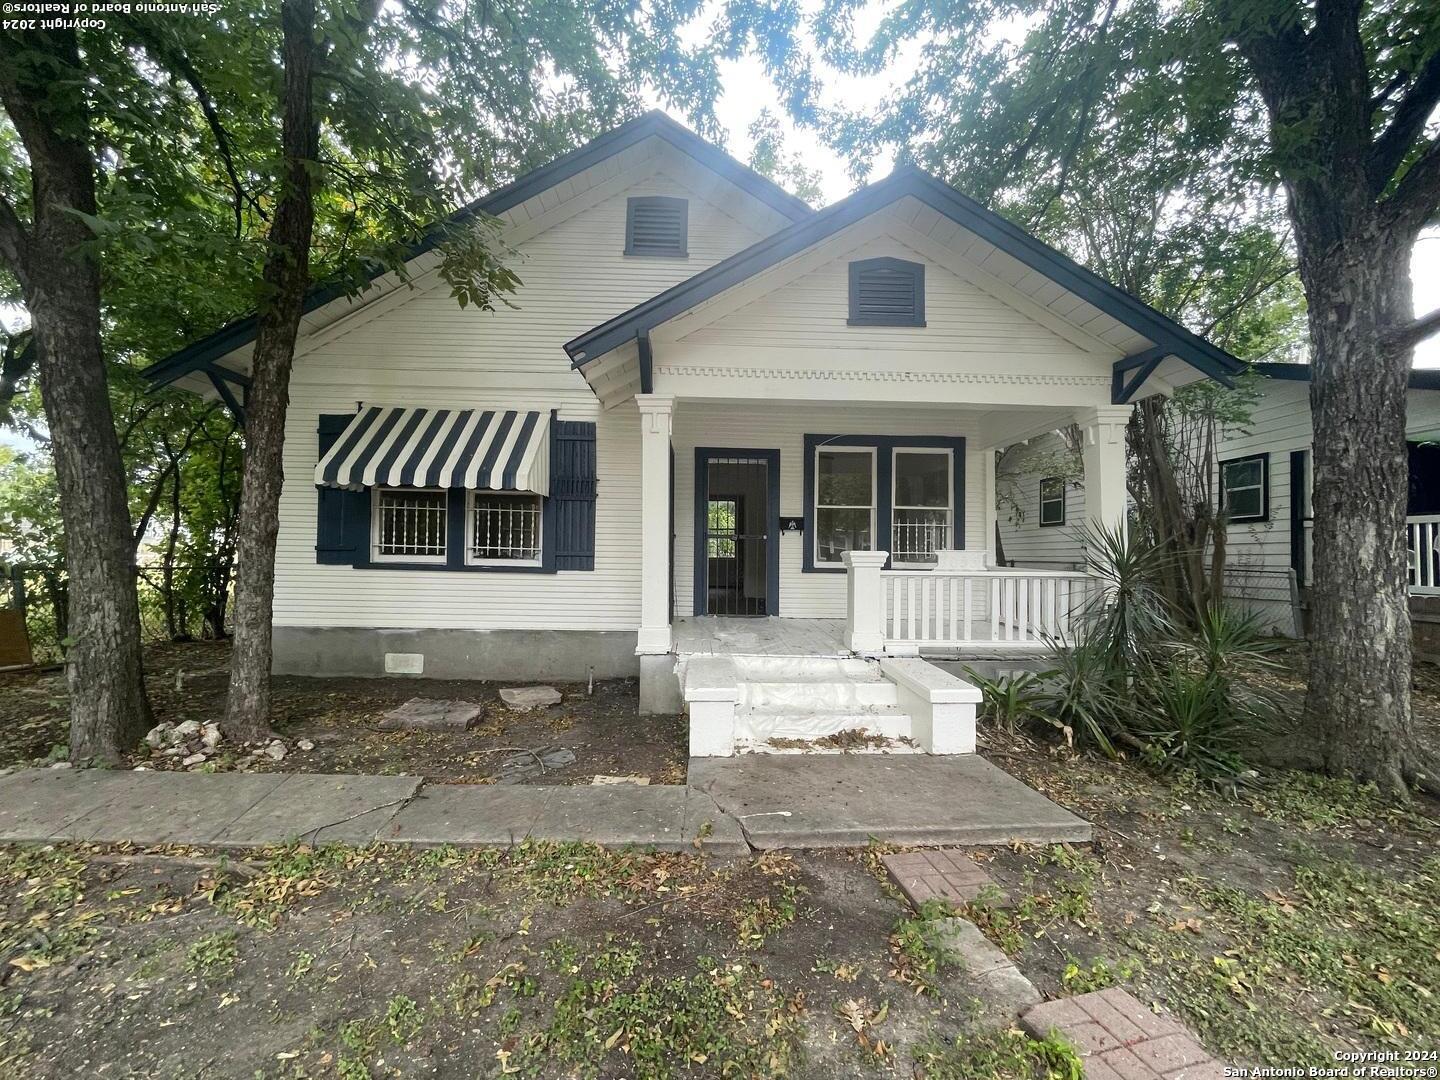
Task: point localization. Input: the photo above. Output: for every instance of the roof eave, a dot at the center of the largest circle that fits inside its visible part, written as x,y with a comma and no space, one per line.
242,331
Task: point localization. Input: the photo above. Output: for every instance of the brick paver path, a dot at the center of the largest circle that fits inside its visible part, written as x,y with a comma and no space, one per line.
936,874
1120,1039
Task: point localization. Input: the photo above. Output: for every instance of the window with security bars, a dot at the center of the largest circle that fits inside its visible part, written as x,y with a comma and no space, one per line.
923,505
887,292
409,525
656,225
504,527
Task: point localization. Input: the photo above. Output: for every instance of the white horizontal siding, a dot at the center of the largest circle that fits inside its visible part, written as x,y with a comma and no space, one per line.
971,328
1026,542
778,427
420,348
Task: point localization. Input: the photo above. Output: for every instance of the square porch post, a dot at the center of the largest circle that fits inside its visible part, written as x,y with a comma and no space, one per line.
655,420
865,601
1102,454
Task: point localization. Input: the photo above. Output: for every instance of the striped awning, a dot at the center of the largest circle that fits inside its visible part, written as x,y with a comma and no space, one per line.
470,448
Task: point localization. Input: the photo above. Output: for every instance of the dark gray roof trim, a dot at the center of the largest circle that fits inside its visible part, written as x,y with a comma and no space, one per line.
201,354
907,180
1420,378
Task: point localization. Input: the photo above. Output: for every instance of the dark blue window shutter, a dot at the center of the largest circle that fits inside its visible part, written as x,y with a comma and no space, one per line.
342,529
572,490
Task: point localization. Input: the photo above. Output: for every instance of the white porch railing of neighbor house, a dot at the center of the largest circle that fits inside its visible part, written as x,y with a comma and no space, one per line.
1422,539
903,611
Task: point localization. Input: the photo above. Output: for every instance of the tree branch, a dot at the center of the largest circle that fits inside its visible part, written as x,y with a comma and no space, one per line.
1412,333
1417,195
1406,125
14,239
187,71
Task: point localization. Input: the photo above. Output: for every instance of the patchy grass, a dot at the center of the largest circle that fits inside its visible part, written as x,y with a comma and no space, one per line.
1282,922
918,949
1001,1055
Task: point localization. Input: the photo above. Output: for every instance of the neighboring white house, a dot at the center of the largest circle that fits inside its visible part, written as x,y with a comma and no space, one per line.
1260,468
706,399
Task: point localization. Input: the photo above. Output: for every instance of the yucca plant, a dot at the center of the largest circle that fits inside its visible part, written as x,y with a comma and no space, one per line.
1011,701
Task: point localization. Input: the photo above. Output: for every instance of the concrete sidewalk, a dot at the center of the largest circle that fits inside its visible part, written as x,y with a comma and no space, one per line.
729,806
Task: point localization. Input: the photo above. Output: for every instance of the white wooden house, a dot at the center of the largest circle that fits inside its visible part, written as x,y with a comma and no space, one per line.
1263,476
708,402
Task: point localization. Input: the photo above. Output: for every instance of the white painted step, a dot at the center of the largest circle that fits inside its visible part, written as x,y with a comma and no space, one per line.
806,669
756,724
804,696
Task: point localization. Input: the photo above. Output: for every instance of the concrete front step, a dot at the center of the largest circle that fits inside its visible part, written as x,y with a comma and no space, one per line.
756,725
801,696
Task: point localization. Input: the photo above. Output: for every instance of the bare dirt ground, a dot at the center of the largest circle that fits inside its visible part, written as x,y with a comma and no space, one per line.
342,716
1285,920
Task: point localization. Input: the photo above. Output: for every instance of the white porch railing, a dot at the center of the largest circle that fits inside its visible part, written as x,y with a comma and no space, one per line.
1422,539
903,611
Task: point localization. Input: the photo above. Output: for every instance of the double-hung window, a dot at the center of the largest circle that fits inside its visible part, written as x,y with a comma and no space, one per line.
844,502
923,506
409,525
1052,501
1245,487
503,527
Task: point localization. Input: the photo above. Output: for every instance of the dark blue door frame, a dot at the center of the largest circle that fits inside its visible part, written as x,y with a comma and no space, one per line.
703,456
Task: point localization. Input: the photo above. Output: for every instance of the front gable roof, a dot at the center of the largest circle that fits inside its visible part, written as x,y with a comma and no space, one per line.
202,356
1162,337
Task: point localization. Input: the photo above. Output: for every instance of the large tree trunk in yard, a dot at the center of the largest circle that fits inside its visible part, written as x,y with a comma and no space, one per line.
60,281
1359,688
286,276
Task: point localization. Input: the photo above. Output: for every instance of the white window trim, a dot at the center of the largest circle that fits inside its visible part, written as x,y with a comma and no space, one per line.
874,500
1058,500
470,559
1261,486
375,554
895,505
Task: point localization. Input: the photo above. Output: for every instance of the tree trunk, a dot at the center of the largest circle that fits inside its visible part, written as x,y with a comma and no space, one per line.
60,281
1358,704
286,277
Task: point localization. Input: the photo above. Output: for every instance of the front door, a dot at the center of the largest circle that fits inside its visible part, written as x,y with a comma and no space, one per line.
737,504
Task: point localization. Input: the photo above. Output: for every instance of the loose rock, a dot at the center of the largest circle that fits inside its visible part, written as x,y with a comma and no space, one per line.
159,735
432,714
193,759
525,698
275,751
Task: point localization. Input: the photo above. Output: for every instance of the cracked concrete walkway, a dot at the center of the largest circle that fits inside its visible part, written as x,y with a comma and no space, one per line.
730,805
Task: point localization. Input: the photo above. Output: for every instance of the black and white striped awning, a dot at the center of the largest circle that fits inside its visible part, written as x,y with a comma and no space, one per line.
470,448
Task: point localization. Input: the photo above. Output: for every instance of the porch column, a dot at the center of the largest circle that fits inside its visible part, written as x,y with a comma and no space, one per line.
655,412
992,507
1102,453
865,601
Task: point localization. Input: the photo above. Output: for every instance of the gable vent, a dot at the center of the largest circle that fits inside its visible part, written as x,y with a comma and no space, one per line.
887,292
656,225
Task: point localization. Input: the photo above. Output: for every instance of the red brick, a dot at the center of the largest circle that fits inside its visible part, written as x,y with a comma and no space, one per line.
1090,1038
905,862
1139,1014
1125,1065
1111,1018
1166,1055
918,889
1095,1069
1048,1015
1206,1070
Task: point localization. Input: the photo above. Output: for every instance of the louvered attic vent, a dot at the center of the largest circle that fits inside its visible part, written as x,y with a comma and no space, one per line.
656,225
887,292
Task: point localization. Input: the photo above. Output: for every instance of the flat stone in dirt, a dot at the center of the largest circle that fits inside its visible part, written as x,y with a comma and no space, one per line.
432,714
525,698
1120,1039
843,800
533,764
322,809
1001,988
938,875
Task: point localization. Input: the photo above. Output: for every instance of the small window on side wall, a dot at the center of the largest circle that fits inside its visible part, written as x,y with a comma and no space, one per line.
887,292
409,525
1052,501
657,225
1245,488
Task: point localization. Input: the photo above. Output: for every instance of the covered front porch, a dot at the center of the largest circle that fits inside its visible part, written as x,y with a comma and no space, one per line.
850,528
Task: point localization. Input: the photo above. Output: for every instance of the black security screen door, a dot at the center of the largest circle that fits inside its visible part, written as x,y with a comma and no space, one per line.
736,541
